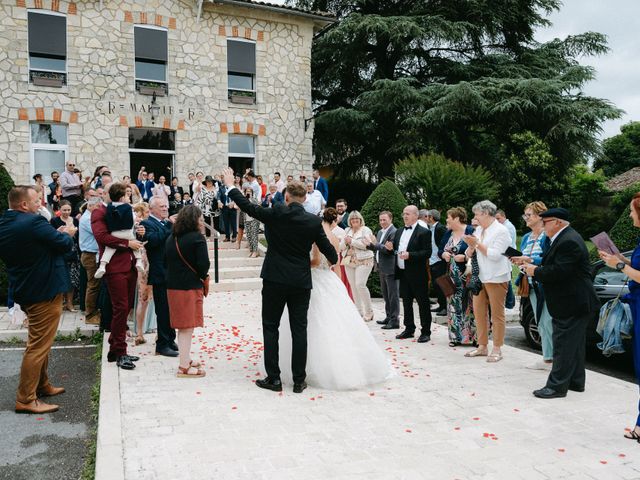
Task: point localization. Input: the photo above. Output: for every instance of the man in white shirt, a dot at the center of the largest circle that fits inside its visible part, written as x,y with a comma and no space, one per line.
315,201
255,186
71,187
277,179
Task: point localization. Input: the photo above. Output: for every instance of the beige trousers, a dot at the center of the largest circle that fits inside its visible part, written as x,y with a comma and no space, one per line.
492,295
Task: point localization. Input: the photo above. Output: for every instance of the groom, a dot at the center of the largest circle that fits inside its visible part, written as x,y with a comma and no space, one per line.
286,275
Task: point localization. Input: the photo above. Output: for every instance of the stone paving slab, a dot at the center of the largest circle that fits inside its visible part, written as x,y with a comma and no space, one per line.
443,417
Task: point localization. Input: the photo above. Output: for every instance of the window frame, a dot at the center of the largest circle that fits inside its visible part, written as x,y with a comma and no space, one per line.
254,77
47,146
65,72
166,65
252,156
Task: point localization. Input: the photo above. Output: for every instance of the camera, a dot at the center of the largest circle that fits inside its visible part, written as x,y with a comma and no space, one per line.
454,250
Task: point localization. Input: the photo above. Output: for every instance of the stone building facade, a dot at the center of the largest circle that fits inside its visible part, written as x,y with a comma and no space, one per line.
78,95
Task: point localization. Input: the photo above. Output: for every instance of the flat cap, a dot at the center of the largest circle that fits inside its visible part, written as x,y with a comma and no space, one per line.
561,213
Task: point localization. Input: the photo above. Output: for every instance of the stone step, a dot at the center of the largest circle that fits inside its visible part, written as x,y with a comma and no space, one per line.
238,272
228,253
236,284
228,262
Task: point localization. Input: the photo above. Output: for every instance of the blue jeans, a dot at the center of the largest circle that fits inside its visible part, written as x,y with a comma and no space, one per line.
545,327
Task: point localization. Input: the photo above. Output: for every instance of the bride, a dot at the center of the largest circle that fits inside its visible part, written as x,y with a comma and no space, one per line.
341,354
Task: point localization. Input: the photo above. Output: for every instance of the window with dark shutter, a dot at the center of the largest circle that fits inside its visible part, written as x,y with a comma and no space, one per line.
47,49
151,53
241,71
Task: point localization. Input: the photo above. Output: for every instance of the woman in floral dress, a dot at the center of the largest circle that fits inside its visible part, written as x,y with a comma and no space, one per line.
462,326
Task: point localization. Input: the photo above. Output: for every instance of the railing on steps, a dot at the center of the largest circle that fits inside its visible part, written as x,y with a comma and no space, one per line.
215,235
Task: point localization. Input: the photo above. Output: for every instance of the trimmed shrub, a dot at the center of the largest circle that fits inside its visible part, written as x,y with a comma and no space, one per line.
6,183
387,196
434,181
623,233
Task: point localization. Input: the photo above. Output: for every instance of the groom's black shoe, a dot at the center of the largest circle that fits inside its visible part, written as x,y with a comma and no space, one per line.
405,334
273,384
390,326
424,338
299,387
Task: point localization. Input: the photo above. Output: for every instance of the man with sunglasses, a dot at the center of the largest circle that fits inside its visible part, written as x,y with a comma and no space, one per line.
565,274
71,187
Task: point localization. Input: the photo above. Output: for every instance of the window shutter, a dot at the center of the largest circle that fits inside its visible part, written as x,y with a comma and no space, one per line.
47,35
241,57
151,44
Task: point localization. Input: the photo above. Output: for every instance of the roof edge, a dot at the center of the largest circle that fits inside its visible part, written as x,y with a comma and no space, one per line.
318,16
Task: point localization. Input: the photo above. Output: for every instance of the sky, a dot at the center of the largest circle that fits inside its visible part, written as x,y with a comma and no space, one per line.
617,72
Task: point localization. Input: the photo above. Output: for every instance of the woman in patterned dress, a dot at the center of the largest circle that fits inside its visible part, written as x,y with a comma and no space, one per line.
252,225
462,326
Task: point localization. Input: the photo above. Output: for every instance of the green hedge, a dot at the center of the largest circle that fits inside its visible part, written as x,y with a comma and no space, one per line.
623,233
387,196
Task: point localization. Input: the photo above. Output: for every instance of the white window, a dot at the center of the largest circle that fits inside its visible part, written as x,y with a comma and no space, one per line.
242,153
241,71
151,52
47,48
48,149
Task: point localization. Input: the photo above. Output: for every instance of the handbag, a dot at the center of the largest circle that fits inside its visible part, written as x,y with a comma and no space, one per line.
205,282
523,285
346,260
446,285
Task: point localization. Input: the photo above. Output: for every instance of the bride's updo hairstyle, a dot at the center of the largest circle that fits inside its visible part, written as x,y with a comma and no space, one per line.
330,215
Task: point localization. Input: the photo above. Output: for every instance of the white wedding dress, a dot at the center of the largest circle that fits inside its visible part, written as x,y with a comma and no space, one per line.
341,352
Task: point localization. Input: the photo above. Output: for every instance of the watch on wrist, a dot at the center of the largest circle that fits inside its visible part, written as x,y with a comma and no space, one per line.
620,266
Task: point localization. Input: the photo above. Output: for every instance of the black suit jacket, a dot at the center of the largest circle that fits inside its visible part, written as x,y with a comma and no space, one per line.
290,232
440,232
156,235
419,248
386,263
565,274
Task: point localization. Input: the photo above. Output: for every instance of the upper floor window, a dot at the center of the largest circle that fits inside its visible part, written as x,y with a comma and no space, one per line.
241,70
47,49
151,60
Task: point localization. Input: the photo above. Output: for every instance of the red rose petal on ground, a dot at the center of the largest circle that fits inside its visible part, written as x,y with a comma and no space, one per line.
516,410
456,428
476,418
485,435
198,393
372,394
627,429
40,418
408,430
234,408
561,450
622,455
313,398
604,462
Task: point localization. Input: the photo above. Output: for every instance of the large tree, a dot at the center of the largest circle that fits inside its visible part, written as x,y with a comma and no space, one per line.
621,152
459,77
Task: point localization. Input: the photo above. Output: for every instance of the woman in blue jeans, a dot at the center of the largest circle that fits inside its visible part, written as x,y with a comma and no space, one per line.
532,247
631,268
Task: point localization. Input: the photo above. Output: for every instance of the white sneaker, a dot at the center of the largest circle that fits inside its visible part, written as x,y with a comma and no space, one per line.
540,365
100,272
12,310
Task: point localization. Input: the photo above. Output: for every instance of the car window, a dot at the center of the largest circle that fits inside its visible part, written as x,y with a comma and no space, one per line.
609,276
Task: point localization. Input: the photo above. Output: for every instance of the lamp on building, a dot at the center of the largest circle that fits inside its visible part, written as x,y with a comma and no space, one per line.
154,109
307,122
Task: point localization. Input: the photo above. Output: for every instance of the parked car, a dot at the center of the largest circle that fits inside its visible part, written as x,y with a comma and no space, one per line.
608,283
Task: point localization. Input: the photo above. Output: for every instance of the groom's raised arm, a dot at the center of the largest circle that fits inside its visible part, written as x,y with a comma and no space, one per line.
325,246
255,211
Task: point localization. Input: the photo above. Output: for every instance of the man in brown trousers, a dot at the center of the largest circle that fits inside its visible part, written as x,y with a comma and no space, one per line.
33,252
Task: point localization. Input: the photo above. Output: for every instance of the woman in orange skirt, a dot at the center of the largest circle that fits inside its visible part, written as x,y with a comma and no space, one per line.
187,259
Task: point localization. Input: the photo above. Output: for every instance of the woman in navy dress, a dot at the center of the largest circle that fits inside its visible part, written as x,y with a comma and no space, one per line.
631,268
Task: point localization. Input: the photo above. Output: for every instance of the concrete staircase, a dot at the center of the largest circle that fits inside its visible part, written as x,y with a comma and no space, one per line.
236,270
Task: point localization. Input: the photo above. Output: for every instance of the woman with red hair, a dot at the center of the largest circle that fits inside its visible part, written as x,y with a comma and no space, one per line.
631,268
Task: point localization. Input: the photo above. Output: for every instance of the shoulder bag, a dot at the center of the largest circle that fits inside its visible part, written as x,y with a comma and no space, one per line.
205,282
446,285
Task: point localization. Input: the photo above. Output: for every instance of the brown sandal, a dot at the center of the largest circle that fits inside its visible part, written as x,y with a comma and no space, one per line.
195,364
184,372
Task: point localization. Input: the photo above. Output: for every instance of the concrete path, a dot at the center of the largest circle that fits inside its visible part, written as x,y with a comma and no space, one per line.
443,417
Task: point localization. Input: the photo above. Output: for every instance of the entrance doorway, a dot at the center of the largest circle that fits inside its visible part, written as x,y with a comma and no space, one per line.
154,149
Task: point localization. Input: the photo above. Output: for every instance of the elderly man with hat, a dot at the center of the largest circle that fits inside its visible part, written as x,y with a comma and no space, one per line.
565,275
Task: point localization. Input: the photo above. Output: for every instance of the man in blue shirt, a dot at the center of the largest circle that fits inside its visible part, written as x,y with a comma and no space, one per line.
321,185
88,259
33,252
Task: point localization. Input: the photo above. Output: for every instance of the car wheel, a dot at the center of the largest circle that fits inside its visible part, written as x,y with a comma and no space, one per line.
531,328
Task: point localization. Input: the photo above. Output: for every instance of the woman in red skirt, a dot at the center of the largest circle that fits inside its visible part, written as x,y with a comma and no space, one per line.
187,276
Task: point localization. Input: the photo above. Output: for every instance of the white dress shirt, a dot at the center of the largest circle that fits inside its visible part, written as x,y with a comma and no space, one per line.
405,237
558,233
494,267
280,184
314,202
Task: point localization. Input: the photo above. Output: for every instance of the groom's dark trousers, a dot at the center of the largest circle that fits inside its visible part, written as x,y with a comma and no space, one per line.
275,296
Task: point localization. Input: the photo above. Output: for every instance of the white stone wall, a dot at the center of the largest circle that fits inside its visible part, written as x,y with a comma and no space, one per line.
100,62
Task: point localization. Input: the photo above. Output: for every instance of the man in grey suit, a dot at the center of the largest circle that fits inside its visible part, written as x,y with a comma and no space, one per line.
385,264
